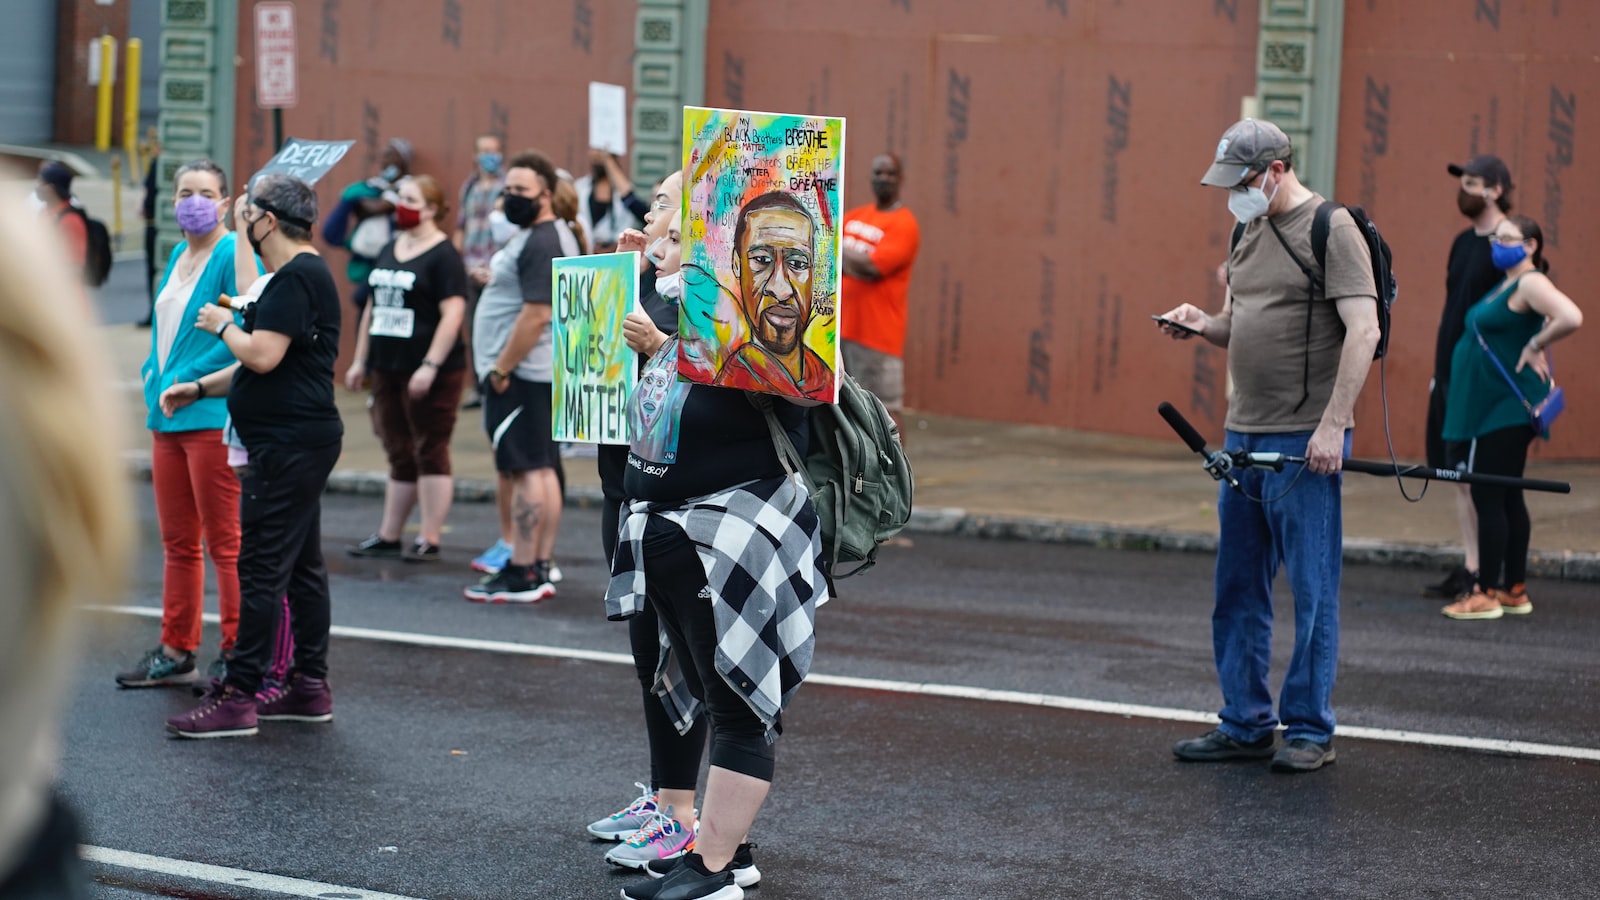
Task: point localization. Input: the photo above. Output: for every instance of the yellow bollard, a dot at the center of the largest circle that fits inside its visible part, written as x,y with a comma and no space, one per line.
130,109
116,203
102,119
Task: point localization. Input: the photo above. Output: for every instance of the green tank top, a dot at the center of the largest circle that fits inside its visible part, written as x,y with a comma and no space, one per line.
1480,400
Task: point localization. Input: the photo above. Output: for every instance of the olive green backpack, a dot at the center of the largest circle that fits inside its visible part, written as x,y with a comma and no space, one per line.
857,472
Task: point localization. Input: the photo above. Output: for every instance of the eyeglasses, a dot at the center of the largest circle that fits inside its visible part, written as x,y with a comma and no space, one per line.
1508,240
663,205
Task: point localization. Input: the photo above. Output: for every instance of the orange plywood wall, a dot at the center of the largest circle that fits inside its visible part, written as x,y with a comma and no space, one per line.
1053,152
1427,84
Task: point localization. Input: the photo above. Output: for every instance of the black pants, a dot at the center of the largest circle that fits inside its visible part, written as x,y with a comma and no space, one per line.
1504,528
676,582
49,869
674,757
280,552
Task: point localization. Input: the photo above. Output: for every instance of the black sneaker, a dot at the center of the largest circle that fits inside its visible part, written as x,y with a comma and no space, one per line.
157,669
745,873
689,880
1214,746
1303,755
513,584
1458,582
422,551
375,548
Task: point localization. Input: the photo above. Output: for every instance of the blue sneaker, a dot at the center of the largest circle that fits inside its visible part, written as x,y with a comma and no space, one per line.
492,560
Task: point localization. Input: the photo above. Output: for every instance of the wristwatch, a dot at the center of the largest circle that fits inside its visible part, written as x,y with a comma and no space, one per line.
497,372
428,363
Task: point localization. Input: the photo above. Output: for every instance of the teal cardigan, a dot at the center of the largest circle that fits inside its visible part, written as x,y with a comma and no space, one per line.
194,353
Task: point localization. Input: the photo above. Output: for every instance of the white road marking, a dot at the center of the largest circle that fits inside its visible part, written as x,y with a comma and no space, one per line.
237,878
953,691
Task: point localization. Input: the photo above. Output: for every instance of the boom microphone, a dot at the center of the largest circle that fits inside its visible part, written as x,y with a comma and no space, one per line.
1182,427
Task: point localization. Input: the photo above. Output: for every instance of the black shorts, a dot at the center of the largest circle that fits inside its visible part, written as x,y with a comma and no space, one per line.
517,421
1442,454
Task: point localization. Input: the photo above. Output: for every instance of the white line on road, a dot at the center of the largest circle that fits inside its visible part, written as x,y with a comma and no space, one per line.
238,878
954,691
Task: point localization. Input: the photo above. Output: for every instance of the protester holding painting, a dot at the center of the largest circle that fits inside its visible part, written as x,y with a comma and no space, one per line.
762,267
409,345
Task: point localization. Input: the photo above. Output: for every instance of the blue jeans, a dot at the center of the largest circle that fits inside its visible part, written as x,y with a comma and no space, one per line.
1299,525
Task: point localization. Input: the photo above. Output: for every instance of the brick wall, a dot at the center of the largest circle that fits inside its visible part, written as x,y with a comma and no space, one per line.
80,22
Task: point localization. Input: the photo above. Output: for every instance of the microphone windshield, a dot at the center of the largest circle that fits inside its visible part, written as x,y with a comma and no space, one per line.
1181,425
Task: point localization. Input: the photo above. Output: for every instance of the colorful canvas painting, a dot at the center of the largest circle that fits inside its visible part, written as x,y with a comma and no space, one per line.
762,204
595,371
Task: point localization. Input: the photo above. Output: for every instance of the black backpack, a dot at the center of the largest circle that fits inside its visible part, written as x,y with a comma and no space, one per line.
1382,267
96,249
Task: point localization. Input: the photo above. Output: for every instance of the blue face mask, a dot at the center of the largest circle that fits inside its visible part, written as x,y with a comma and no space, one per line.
489,163
1505,257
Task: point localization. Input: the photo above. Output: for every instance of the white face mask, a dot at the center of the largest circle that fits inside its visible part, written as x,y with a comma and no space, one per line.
1250,204
500,228
670,286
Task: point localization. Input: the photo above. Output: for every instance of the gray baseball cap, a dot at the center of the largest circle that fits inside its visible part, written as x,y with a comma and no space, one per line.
1247,146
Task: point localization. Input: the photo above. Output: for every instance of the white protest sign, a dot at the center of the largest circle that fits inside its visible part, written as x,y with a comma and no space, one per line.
608,118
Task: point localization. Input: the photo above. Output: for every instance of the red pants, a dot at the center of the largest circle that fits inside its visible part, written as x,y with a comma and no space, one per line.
196,495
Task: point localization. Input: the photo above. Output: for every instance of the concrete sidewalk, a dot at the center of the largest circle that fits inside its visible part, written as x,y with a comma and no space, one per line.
1026,482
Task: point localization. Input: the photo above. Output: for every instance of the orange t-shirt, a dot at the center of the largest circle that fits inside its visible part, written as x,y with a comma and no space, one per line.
873,313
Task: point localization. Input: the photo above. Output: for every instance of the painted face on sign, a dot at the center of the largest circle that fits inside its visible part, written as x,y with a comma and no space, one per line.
774,263
653,385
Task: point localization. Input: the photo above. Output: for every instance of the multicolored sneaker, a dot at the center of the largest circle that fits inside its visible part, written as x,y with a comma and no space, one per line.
512,584
745,873
157,669
225,712
492,560
626,821
304,699
664,838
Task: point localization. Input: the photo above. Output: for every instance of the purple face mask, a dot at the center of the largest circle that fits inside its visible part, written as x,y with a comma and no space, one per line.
196,214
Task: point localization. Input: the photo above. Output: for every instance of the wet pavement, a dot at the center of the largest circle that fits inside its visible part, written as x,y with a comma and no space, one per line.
462,773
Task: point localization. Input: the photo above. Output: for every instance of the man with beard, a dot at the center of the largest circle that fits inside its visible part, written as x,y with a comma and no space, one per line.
1485,198
774,241
880,244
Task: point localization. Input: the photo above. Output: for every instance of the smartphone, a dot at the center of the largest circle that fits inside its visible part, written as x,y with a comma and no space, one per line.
1171,324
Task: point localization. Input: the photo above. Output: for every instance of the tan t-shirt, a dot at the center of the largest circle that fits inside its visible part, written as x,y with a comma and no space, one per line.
1267,347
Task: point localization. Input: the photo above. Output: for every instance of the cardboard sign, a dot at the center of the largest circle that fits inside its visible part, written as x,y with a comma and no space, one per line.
305,160
595,370
762,211
608,118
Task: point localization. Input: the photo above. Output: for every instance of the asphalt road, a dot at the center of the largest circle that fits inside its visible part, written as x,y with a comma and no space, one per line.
462,773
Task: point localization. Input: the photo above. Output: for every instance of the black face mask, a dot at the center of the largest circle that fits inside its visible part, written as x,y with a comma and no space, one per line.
250,235
521,211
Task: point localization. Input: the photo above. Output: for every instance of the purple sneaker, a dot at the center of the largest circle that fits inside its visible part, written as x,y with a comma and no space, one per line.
305,699
225,712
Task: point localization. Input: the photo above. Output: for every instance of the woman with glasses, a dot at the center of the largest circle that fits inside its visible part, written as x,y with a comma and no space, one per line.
1504,353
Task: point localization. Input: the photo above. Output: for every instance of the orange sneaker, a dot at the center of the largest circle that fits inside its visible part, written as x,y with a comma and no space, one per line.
1477,605
1515,602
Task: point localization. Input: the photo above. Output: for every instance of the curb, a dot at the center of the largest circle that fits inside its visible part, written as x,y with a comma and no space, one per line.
1565,565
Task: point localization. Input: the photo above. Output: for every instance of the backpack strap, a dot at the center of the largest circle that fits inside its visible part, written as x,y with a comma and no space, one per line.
788,456
1321,223
1311,297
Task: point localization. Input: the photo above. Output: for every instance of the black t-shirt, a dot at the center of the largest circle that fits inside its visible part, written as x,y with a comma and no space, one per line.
694,439
1469,276
405,306
293,404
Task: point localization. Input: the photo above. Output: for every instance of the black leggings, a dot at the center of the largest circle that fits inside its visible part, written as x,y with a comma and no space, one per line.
1503,525
676,581
674,757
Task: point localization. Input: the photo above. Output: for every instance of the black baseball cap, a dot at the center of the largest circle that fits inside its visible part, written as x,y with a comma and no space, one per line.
1489,167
